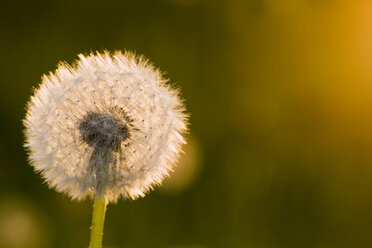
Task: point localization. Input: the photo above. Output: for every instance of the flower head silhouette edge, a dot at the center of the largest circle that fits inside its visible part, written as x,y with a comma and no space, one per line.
110,125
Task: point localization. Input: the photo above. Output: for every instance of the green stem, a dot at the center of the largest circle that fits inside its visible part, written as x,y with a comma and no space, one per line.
98,220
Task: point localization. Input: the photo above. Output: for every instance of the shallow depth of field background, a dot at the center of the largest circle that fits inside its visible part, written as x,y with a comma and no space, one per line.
280,149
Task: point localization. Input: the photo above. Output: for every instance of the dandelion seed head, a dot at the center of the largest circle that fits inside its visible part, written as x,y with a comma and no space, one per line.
110,126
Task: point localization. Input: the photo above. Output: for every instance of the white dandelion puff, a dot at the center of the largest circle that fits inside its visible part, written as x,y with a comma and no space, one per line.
109,126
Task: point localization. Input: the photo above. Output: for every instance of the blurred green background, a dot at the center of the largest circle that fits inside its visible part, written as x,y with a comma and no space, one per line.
280,150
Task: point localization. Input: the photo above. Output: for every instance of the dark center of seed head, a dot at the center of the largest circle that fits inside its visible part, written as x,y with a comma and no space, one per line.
103,130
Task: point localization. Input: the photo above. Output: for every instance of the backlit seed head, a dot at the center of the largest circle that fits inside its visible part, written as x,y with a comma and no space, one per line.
110,126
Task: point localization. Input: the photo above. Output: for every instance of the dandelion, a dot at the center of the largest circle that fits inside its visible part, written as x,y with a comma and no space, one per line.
108,127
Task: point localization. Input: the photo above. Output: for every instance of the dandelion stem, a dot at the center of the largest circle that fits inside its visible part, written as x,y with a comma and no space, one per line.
98,220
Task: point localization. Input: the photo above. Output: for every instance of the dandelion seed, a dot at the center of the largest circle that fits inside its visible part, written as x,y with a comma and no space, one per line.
109,126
